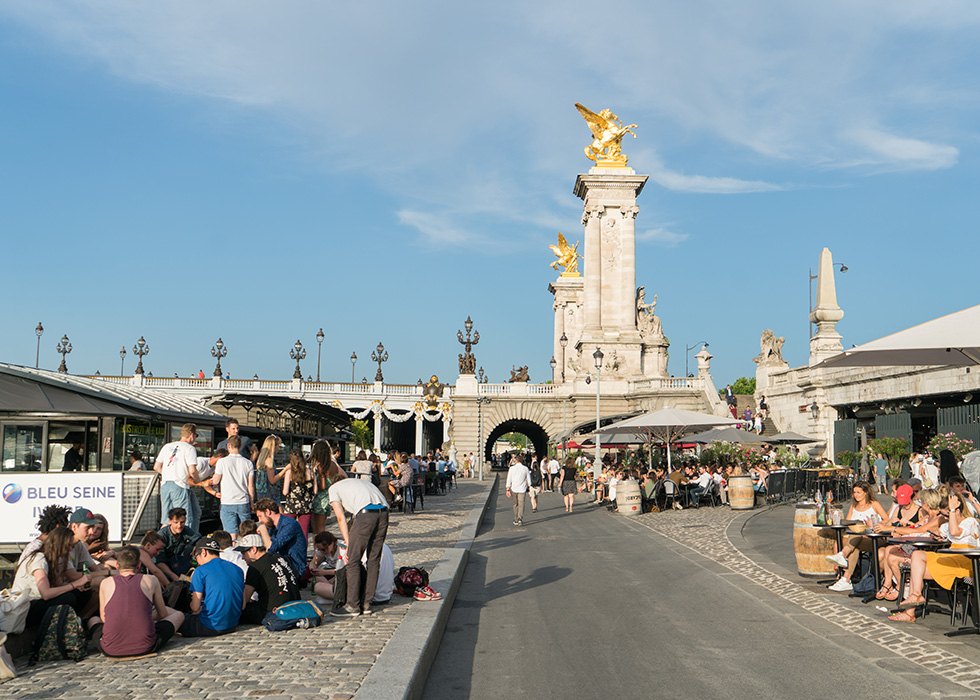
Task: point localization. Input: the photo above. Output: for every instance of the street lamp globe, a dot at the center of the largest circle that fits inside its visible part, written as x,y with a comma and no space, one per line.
597,356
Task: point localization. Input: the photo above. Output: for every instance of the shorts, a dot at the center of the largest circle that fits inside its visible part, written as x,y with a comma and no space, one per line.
321,503
535,490
165,630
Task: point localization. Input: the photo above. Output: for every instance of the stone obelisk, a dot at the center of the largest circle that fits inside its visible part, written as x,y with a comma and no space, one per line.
826,313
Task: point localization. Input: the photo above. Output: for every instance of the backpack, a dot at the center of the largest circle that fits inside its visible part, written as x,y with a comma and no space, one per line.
60,636
300,614
409,578
535,477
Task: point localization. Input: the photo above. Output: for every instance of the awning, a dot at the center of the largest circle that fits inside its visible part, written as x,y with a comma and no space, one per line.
22,395
285,405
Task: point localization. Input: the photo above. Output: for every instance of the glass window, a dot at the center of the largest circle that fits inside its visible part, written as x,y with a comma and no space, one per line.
203,442
63,438
22,447
143,436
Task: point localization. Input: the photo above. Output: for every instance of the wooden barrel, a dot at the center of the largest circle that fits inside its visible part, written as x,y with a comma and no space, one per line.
741,495
628,497
812,545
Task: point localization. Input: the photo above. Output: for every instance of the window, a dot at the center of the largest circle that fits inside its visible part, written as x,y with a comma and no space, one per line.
22,447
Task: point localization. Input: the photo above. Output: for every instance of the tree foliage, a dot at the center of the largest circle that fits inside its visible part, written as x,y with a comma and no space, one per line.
363,434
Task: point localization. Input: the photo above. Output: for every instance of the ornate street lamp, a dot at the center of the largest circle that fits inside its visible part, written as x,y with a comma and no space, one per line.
353,365
597,467
480,402
297,353
563,341
39,330
122,363
319,347
553,364
219,350
688,352
379,355
467,362
140,349
64,347
481,377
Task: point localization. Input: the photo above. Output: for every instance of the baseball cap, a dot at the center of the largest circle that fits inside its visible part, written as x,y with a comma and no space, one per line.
904,494
83,516
209,543
248,541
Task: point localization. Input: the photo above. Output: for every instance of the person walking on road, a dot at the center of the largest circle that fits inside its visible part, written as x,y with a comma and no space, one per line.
518,482
566,483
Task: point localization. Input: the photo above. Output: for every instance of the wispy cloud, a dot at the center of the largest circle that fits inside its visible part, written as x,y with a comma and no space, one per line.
436,228
904,153
662,236
678,182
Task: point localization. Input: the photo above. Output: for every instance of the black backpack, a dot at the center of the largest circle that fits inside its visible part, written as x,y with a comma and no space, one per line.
535,477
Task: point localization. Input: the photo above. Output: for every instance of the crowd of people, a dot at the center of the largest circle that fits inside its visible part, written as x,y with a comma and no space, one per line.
134,598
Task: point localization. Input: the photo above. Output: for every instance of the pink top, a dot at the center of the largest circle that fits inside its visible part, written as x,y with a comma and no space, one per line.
129,628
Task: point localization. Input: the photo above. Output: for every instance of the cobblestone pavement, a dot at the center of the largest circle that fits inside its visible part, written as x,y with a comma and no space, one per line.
704,530
327,662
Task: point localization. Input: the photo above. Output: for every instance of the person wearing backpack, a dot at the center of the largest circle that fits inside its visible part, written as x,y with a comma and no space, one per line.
125,625
48,579
536,485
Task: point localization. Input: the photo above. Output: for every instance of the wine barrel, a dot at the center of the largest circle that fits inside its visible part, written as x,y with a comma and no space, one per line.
812,545
628,497
741,495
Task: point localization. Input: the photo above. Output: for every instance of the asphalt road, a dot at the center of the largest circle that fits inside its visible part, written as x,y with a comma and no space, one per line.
587,605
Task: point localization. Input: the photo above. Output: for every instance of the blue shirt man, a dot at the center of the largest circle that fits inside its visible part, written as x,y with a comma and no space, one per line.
217,592
282,534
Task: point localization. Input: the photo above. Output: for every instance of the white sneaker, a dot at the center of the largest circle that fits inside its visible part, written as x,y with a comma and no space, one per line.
8,669
842,586
838,559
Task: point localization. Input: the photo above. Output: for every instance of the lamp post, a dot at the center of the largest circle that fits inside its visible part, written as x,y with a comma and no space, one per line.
140,349
319,347
481,378
353,365
122,364
563,341
553,364
480,402
219,350
64,347
297,353
597,467
37,358
379,355
843,268
687,352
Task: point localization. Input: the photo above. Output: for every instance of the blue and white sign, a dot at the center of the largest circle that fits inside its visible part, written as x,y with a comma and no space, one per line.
24,496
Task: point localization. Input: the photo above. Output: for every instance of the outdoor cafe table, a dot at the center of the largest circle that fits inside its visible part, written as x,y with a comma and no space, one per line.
974,556
838,535
876,538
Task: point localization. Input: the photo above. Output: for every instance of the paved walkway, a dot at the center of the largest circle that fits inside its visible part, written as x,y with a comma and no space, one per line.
330,661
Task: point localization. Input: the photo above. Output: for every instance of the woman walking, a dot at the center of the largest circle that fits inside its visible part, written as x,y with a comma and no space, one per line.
566,483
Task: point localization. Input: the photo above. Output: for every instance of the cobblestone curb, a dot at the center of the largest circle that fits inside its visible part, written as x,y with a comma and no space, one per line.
710,527
403,667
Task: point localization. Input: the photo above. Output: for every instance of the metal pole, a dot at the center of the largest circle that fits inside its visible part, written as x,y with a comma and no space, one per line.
564,429
37,358
479,403
597,467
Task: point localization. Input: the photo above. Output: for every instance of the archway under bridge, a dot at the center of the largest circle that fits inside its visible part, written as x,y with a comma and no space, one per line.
534,432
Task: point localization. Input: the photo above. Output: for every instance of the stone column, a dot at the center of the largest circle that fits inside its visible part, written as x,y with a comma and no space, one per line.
377,432
826,313
593,267
418,434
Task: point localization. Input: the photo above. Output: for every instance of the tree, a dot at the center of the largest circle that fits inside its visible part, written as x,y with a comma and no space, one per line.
363,434
742,385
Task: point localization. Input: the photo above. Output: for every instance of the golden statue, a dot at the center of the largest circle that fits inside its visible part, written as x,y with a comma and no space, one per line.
567,257
608,131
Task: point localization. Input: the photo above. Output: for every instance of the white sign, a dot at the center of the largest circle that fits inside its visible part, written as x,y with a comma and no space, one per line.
26,495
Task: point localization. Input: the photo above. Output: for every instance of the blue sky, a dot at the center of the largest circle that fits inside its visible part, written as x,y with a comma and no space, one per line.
187,170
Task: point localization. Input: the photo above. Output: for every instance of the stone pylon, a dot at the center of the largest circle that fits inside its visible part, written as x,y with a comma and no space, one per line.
825,313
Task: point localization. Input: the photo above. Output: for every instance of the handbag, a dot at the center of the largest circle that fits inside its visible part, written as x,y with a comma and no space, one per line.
14,606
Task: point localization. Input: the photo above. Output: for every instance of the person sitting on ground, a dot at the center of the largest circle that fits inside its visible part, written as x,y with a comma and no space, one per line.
133,619
81,523
864,508
269,575
890,558
963,532
150,546
217,592
49,580
228,551
178,543
248,527
386,574
324,566
282,535
97,542
51,517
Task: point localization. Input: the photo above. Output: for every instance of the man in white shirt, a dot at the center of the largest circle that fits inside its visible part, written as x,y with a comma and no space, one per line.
553,469
366,533
518,481
176,462
704,482
235,477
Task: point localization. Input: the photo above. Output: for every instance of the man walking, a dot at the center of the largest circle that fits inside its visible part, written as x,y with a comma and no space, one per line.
553,469
518,481
367,532
176,462
235,477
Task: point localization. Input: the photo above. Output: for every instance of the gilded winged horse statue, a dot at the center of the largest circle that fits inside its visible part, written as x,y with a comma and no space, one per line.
608,132
567,257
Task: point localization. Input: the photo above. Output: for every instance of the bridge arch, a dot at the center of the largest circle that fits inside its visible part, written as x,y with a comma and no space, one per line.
534,432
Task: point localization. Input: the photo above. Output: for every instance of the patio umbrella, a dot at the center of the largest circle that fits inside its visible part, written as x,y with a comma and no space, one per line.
727,434
952,340
617,439
789,438
666,425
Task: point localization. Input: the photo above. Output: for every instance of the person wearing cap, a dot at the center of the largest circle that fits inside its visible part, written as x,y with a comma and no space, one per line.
176,463
366,533
270,575
904,513
217,590
125,625
80,523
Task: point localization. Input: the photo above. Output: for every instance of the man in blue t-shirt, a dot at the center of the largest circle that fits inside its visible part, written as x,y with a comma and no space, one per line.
217,593
282,534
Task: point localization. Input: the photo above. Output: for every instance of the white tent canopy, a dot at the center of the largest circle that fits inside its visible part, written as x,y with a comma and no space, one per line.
952,340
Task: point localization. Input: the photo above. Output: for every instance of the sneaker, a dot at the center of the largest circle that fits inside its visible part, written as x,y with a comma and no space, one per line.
520,523
426,593
346,611
838,559
8,669
516,523
842,586
398,499
321,601
367,611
